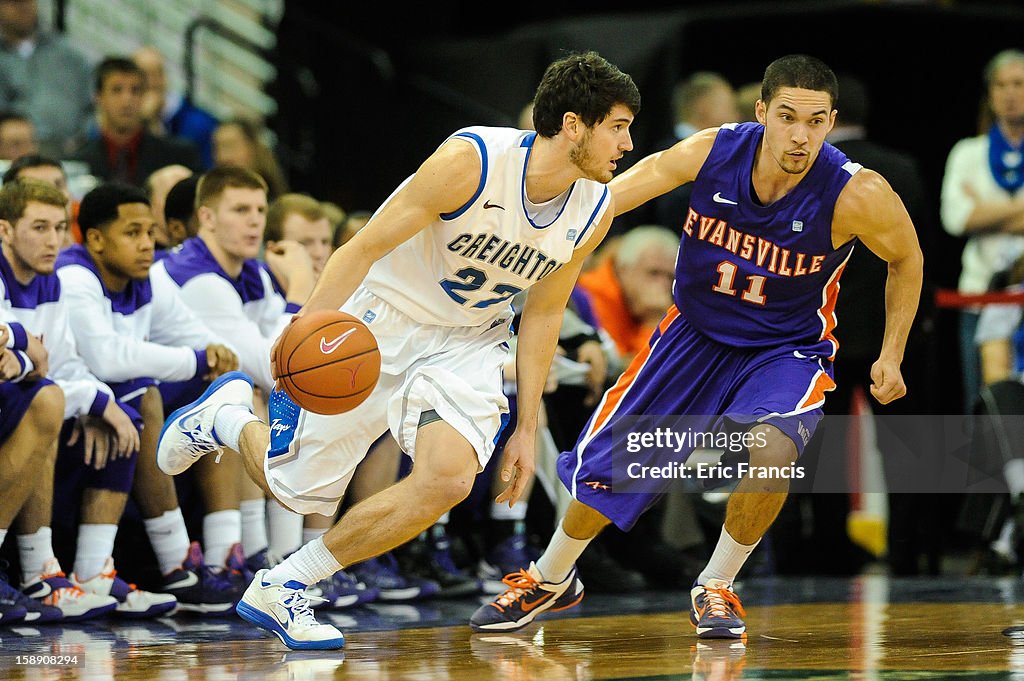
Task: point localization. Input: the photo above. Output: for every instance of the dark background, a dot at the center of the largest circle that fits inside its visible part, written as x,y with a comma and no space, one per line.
365,95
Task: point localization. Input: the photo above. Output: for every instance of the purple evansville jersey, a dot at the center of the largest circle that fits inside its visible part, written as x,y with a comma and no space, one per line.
758,276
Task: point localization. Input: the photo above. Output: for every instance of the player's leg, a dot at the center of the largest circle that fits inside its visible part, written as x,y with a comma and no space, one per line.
779,393
28,450
103,504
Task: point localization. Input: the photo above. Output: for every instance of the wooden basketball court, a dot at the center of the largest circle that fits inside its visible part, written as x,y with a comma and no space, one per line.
870,627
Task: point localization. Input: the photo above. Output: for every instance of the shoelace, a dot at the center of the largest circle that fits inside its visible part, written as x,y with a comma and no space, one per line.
718,602
299,603
518,583
202,443
72,590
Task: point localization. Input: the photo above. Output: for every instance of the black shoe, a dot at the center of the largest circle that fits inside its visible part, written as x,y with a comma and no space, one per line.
429,556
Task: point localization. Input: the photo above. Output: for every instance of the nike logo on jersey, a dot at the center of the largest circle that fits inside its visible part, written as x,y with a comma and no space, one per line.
718,198
188,580
327,347
488,204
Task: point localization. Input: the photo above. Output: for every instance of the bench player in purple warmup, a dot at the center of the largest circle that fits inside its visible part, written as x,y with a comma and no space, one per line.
774,215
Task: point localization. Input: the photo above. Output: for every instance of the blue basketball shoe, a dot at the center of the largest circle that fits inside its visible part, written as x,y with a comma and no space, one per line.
715,611
285,611
188,433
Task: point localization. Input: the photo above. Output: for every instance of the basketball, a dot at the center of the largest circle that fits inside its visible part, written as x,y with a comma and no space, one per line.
328,362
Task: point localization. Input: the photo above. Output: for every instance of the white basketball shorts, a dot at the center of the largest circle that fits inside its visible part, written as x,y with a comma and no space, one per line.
455,371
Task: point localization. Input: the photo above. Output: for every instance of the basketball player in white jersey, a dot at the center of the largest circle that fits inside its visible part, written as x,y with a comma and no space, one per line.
491,212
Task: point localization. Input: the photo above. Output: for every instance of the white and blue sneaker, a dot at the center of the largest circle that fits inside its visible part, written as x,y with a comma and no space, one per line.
188,433
285,611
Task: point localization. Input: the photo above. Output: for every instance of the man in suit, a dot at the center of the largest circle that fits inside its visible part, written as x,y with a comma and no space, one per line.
122,149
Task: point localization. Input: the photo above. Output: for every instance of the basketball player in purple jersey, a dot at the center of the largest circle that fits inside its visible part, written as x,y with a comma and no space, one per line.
774,216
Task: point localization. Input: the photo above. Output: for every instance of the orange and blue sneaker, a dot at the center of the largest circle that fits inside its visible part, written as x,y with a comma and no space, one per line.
526,597
716,611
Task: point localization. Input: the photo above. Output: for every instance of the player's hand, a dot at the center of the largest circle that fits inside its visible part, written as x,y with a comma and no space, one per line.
220,359
287,260
592,353
10,367
887,381
5,335
277,344
126,436
517,467
39,356
96,441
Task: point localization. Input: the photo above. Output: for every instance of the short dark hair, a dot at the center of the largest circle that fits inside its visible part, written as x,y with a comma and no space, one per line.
116,64
214,181
586,84
799,71
99,207
15,195
29,161
180,203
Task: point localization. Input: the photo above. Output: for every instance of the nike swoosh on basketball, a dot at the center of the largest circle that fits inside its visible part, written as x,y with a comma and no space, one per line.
527,607
488,204
190,579
327,347
718,198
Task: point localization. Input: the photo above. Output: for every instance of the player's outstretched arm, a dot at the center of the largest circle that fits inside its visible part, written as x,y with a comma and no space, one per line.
662,171
870,210
443,183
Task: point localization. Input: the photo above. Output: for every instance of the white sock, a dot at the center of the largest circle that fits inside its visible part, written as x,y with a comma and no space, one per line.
34,550
169,538
229,422
254,525
1014,472
95,545
503,512
3,536
221,531
726,561
285,525
560,555
308,565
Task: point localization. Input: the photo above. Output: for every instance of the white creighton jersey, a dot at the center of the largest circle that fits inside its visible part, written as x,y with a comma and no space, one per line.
463,269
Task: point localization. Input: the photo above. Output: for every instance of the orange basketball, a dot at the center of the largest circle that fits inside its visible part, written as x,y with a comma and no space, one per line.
328,362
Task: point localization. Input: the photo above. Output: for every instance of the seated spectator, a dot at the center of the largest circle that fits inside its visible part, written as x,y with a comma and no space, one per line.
631,287
123,149
157,186
44,78
172,113
48,170
98,472
300,218
134,332
238,142
347,228
180,211
17,136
